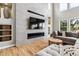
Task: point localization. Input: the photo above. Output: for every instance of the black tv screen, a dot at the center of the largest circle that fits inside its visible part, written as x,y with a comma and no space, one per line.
36,23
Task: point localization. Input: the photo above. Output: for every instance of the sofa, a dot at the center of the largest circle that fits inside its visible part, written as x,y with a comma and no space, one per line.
59,50
68,38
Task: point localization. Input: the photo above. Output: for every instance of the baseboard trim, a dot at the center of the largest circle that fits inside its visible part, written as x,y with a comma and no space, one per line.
7,46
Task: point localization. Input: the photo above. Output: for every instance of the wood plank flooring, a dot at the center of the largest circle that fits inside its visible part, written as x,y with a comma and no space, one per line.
25,50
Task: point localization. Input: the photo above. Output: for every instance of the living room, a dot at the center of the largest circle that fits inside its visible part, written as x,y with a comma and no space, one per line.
39,29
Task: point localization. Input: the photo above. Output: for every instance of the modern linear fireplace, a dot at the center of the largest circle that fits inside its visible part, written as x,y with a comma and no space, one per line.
35,35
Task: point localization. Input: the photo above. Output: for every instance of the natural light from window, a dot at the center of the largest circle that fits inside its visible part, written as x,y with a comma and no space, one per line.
72,5
63,6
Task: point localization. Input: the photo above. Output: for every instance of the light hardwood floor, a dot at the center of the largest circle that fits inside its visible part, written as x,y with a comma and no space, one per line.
25,50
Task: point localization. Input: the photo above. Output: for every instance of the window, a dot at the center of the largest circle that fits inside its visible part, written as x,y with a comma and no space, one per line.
74,25
63,6
63,25
72,5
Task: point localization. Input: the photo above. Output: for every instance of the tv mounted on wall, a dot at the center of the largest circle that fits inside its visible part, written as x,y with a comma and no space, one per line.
36,23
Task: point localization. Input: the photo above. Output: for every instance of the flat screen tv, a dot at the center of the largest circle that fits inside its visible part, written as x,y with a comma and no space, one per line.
36,23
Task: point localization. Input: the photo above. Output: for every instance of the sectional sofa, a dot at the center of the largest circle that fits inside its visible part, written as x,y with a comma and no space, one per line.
68,38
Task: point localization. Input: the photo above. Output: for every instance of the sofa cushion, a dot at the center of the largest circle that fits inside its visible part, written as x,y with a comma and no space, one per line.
78,35
56,33
67,40
53,34
59,33
71,34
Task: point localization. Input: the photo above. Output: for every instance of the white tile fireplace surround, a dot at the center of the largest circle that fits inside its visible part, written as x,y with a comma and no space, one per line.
60,50
22,19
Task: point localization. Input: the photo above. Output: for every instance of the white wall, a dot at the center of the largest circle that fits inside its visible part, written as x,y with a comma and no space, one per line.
51,17
22,20
56,16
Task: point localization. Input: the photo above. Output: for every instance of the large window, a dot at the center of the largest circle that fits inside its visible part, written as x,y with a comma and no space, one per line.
63,25
72,5
67,6
70,25
63,6
74,25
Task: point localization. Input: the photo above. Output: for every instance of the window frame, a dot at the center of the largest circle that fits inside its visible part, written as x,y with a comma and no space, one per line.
68,24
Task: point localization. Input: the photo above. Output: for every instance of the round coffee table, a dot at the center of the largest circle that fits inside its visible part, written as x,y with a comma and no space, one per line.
54,41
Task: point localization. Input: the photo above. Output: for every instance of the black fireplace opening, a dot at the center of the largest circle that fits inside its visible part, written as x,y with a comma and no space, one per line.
35,35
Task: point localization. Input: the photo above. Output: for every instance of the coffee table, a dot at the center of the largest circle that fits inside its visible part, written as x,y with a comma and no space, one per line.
52,40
